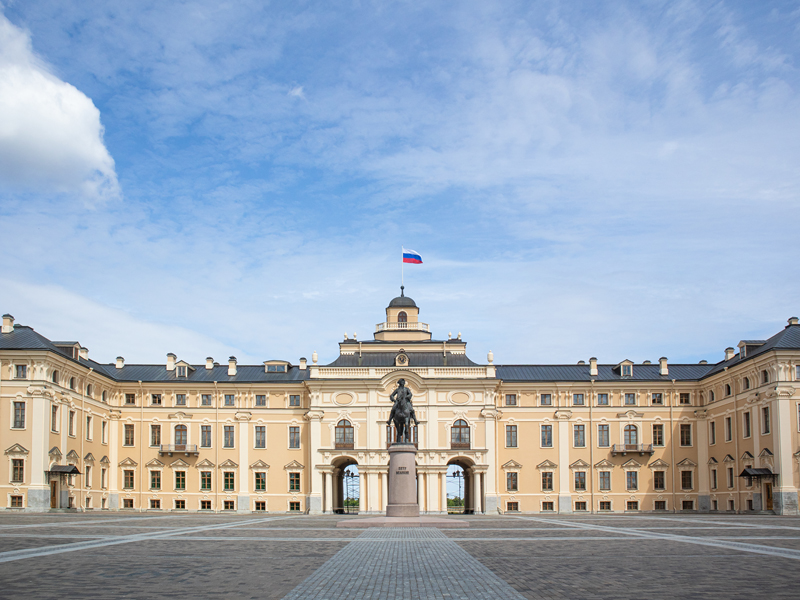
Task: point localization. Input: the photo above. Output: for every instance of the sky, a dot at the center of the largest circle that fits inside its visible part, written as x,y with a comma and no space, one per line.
617,180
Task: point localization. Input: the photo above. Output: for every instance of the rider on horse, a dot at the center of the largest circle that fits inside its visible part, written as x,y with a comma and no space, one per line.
402,411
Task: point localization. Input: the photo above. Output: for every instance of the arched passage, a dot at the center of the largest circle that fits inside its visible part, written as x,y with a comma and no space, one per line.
346,486
463,486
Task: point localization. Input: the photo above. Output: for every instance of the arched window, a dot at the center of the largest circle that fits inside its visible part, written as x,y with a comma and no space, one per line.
631,434
55,376
727,389
344,434
180,435
764,376
459,434
747,383
105,396
72,383
89,390
711,396
402,317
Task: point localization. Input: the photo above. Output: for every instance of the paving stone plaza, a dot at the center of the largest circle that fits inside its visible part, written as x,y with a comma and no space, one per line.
293,557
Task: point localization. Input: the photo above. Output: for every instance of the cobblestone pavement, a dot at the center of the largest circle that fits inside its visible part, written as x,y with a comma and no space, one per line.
114,555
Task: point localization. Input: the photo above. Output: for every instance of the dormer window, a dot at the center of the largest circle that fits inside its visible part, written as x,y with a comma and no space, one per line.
627,370
402,317
276,368
181,371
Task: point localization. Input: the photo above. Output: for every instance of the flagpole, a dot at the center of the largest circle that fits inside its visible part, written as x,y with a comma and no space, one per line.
402,273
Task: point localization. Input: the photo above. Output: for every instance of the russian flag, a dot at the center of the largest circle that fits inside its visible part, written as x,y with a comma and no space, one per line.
409,256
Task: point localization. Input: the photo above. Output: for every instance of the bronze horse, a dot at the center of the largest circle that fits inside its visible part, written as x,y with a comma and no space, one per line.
402,412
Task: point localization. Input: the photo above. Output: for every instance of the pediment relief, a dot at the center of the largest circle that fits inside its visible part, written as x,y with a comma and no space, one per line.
712,461
512,464
547,464
128,462
228,464
154,463
72,455
747,455
55,453
178,464
579,464
687,462
728,458
205,463
604,464
765,453
630,414
658,464
293,466
259,464
105,461
89,457
17,449
631,464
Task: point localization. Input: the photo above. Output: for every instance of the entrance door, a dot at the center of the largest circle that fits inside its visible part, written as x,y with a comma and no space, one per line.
53,494
768,496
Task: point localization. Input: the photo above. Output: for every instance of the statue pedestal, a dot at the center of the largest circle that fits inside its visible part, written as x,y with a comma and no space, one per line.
402,481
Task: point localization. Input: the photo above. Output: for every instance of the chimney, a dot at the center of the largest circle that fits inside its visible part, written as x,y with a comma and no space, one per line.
209,363
232,365
792,321
646,362
171,361
120,362
593,366
664,369
303,364
703,362
729,353
8,323
581,362
83,353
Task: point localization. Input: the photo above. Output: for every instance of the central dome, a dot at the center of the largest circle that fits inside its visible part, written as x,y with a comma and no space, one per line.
402,300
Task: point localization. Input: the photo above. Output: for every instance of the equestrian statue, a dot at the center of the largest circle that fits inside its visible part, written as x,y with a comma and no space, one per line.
402,412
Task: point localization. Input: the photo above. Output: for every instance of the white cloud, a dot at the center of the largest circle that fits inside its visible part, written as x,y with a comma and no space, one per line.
51,137
297,92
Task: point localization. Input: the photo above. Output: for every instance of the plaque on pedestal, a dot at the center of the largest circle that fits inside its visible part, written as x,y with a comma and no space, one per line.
402,481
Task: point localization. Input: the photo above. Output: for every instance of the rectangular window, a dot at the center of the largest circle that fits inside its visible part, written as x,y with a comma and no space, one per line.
632,505
294,437
128,439
71,423
605,505
130,399
580,506
261,482
746,424
548,506
577,399
261,436
688,505
21,371
128,479
155,504
227,441
603,439
180,480
730,477
511,436
632,480
261,506
686,434
602,399
294,506
630,399
180,504
230,400
181,371
657,398
294,482
294,400
229,505
547,481
765,424
658,434
205,504
546,400
54,418
205,480
155,435
580,481
205,400
17,470
605,480
103,432
731,505
712,433
659,480
512,506
685,398
180,399
87,476
579,436
627,370
16,501
713,479
547,436
19,415
511,399
661,505
155,399
127,503
728,429
686,480
261,400
205,436
511,482
155,480
229,480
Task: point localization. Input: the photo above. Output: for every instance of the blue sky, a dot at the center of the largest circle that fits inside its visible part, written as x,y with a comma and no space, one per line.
616,180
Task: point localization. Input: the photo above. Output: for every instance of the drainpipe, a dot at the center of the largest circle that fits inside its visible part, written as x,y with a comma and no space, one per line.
591,448
141,445
735,433
215,441
672,445
83,437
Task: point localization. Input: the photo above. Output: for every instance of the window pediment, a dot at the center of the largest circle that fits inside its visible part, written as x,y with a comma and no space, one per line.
658,464
154,463
128,462
72,455
259,464
228,464
604,464
89,457
547,464
16,449
205,463
512,464
293,466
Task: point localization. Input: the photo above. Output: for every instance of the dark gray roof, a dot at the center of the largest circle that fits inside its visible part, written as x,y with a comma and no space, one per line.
415,359
604,373
786,339
402,301
219,373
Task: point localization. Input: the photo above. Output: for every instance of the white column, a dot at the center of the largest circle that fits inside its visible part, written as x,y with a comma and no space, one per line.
243,501
785,494
430,493
373,492
476,494
362,491
384,490
443,492
704,498
326,492
315,439
564,497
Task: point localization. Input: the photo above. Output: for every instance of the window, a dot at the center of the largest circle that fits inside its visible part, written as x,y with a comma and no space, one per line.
764,376
294,437
128,479
765,424
711,396
580,481
579,436
205,400
261,482
261,506
657,398
276,368
103,480
89,428
511,399
714,505
180,399
294,400
17,470
459,434
546,400
658,434
727,389
713,479
89,390
55,377
631,434
181,435
180,480
294,482
577,399
632,505
261,436
686,434
661,505
87,476
632,480
21,372
229,481
685,398
630,399
605,505
511,436
686,480
228,505
230,400
603,440
16,501
604,480
602,399
547,481
294,507
796,375
105,396
54,418
728,429
181,371
344,434
127,503
72,383
512,506
128,435
547,436
155,399
511,482
155,480
731,505
746,382
659,480
746,424
205,504
627,370
548,506
730,477
205,436
19,415
261,400
227,440
155,435
205,480
712,433
688,505
180,504
71,423
103,432
130,399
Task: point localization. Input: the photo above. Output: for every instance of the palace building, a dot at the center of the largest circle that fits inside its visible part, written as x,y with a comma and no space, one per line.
277,437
